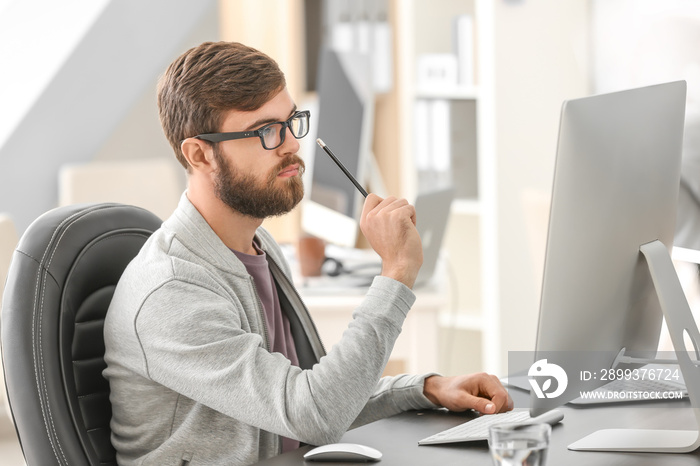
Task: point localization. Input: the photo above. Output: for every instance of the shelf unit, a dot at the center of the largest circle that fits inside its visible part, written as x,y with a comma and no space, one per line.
471,242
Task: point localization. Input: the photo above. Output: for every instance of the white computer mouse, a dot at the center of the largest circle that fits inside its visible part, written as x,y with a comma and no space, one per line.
349,452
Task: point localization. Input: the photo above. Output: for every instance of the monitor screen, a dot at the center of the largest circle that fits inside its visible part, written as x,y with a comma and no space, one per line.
344,123
616,187
340,117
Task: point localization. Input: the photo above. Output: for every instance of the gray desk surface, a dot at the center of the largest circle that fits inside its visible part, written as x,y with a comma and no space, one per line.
397,437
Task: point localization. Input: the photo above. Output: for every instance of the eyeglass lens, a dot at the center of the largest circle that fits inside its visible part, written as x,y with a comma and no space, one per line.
273,134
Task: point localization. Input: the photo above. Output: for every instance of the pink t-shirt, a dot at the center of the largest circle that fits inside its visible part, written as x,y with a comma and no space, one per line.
277,324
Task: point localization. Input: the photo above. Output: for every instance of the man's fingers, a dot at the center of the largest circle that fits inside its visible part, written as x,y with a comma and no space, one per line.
389,226
392,204
491,397
482,405
498,404
386,205
374,205
371,202
493,389
502,403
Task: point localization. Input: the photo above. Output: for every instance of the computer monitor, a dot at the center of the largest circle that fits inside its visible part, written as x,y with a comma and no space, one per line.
344,117
616,185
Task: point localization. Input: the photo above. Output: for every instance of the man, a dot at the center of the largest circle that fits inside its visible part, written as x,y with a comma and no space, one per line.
212,358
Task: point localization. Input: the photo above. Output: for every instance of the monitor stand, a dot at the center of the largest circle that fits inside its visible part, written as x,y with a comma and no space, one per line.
681,325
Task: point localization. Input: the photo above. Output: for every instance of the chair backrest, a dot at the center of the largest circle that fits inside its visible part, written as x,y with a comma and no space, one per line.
60,283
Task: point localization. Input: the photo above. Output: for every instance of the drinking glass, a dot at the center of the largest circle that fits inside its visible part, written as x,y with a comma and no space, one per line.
519,445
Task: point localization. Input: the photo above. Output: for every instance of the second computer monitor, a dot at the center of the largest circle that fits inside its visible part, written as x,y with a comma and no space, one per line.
616,186
344,122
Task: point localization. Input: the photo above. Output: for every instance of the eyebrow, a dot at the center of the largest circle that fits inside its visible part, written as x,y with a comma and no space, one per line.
260,123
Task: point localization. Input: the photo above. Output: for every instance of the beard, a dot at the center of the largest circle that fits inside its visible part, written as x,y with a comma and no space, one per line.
248,196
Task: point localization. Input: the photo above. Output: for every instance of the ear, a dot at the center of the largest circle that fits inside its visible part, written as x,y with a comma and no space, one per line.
199,154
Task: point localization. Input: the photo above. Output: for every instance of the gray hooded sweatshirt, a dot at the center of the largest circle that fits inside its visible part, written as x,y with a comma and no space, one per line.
192,380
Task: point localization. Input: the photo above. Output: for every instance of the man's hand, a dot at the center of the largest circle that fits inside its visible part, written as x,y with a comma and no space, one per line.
481,392
390,227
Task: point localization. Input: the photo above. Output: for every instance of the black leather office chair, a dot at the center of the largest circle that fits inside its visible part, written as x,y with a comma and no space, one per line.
59,286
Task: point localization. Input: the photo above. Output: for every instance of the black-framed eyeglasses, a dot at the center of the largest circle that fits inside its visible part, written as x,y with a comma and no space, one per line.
271,135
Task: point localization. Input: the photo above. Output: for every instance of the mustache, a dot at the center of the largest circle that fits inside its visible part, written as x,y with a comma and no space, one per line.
287,161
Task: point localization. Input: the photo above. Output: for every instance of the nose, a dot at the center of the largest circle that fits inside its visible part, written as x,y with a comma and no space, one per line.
291,144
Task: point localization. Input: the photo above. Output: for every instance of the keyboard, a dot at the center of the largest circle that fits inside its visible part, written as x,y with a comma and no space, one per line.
478,428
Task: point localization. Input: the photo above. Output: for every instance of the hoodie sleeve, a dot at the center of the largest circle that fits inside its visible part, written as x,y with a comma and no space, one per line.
395,395
198,342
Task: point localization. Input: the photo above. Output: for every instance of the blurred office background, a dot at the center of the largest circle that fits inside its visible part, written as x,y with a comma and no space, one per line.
78,118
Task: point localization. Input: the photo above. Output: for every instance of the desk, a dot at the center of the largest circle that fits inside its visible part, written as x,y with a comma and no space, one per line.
397,437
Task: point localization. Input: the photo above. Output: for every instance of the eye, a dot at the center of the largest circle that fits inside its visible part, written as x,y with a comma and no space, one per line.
267,131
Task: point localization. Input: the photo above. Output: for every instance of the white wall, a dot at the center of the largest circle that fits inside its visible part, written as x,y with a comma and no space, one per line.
90,92
541,58
34,39
641,42
139,134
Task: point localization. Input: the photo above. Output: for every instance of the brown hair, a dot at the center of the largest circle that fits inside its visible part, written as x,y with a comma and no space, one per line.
209,80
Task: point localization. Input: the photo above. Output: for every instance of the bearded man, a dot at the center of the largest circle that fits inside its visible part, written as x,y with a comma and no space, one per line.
212,357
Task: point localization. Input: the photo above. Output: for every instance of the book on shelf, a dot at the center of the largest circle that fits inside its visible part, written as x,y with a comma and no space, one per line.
432,141
463,31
